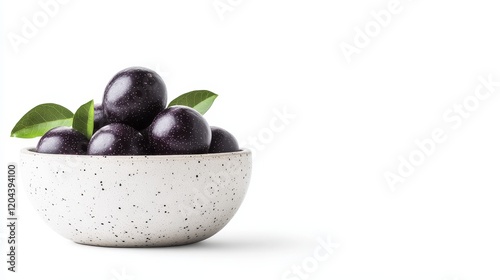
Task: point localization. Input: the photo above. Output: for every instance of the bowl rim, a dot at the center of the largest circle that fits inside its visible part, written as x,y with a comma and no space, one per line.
243,151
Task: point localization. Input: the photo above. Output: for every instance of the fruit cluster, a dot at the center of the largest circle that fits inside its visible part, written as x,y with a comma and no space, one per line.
133,120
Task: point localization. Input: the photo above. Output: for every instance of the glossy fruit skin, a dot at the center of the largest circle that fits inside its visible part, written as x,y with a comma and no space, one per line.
145,134
117,139
134,97
222,141
99,118
63,140
179,130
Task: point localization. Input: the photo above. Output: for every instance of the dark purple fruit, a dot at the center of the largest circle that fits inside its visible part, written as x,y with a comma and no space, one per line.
134,97
63,140
222,141
99,118
179,130
145,134
117,139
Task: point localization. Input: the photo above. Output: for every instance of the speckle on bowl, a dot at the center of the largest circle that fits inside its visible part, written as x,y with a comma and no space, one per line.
136,201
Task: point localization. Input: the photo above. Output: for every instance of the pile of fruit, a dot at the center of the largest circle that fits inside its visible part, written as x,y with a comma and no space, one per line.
133,119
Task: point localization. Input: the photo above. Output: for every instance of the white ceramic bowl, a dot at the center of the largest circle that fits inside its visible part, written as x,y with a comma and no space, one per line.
136,201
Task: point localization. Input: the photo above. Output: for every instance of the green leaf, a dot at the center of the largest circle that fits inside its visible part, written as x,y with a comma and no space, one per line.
41,119
200,100
83,121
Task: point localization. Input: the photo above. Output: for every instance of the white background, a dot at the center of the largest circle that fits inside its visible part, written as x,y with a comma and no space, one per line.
321,175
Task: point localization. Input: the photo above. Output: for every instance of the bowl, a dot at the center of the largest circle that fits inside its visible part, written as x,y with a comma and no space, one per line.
136,201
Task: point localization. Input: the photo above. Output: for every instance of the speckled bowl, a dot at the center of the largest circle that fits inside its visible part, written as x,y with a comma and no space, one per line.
136,201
